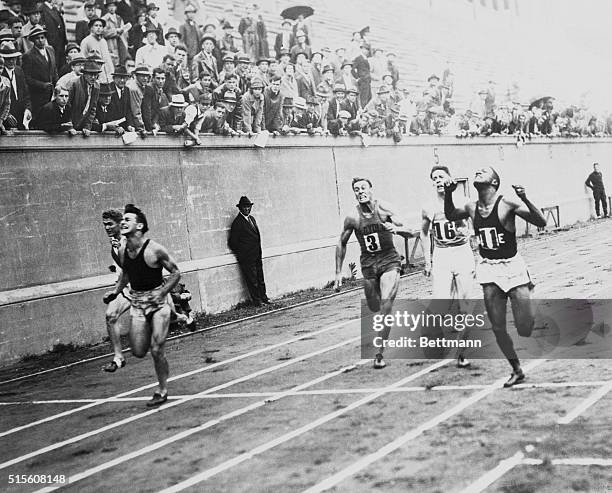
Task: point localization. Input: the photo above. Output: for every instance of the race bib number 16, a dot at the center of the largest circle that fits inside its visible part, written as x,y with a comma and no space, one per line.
372,242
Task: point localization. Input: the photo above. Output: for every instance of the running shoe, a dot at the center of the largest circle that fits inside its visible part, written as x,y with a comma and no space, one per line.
514,379
157,399
463,363
114,365
379,362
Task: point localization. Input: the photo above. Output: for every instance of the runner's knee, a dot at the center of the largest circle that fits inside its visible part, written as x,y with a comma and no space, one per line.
139,351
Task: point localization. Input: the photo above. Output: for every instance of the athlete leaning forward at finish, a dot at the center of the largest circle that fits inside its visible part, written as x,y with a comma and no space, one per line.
502,272
452,266
374,223
142,261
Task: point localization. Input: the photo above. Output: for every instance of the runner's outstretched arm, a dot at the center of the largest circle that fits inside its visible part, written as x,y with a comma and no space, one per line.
527,210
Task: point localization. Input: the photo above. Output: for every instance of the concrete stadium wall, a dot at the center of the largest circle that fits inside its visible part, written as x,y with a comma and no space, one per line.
55,254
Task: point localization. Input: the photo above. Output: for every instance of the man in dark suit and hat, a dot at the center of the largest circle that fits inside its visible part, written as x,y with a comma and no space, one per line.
361,72
55,116
40,69
84,95
245,242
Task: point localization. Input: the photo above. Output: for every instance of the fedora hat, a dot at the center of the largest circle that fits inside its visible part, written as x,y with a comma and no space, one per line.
229,97
288,102
211,38
171,31
37,31
6,35
78,59
9,51
339,88
327,68
244,201
120,71
105,90
178,101
300,103
142,70
190,8
96,19
91,67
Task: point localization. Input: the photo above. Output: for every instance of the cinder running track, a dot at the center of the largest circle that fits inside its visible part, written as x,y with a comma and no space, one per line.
287,405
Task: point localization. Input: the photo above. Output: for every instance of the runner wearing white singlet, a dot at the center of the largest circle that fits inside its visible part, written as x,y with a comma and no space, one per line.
452,266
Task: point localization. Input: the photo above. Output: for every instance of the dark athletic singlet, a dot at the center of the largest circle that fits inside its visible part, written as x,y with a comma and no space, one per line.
496,242
371,234
141,276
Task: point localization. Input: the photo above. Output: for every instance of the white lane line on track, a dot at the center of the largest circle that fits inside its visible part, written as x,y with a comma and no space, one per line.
177,377
172,404
584,405
339,391
573,461
299,431
519,459
357,466
494,474
260,315
174,438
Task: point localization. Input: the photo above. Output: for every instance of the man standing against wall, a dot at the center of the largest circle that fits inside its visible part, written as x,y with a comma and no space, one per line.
595,182
245,242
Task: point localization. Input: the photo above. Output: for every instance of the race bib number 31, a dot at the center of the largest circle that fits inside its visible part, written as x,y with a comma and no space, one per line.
372,242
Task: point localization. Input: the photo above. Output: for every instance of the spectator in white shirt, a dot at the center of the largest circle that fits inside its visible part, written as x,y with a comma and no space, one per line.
151,54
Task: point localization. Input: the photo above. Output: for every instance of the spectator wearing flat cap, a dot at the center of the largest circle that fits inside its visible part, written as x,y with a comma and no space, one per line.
229,66
289,87
273,106
339,126
191,33
105,120
83,98
76,65
81,28
182,118
56,115
229,94
151,54
21,106
245,241
346,75
153,100
381,103
335,103
40,70
119,105
115,33
137,34
205,61
154,23
53,20
361,72
300,47
72,50
136,87
252,108
285,39
327,83
95,44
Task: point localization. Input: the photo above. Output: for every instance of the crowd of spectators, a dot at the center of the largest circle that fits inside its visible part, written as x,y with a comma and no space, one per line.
131,71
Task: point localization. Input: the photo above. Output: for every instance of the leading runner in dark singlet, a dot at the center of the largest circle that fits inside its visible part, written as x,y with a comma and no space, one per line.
142,261
502,272
374,224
